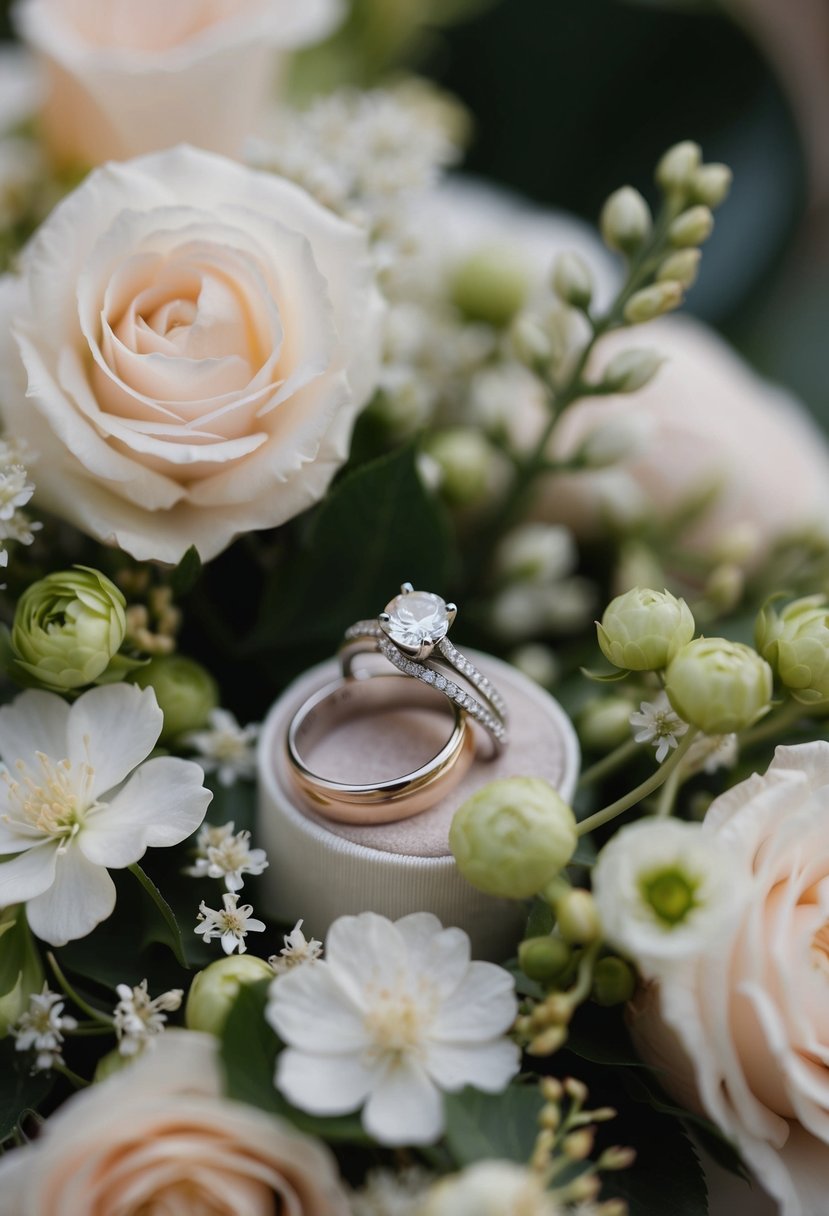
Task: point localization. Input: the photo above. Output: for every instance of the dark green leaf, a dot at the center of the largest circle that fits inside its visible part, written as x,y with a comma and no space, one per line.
604,677
18,1090
540,920
186,573
481,1125
585,854
667,1175
160,924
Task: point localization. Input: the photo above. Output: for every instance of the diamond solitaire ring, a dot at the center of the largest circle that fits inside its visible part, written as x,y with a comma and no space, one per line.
411,634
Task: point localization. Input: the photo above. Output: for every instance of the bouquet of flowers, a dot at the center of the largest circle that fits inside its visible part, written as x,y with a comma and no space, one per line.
303,909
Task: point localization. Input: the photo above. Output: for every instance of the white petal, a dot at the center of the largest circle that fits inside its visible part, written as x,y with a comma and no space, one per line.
404,1106
483,1006
81,896
323,1085
487,1066
309,1010
441,954
364,950
114,727
162,804
27,875
34,722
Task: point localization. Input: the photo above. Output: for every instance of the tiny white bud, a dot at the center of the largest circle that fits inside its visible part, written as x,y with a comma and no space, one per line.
711,183
653,301
613,442
573,280
677,167
682,266
625,220
631,369
465,458
536,553
537,662
692,227
530,343
724,587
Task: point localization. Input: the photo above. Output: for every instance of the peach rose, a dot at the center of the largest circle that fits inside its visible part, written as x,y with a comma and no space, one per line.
126,77
159,1137
192,341
706,420
741,1029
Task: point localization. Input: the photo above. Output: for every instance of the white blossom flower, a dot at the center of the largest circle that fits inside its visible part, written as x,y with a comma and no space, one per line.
708,753
41,1029
390,1193
664,890
138,1016
492,1188
227,748
227,856
658,724
71,806
297,950
15,492
230,924
393,1015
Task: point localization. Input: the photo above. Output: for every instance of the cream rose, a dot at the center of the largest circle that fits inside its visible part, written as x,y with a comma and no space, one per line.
126,77
159,1137
187,347
741,1028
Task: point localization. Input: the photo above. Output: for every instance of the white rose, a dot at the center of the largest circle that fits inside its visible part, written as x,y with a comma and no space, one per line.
159,1137
192,341
742,1024
710,423
131,76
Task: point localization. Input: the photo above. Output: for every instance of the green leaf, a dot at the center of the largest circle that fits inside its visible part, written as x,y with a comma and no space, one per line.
19,1091
378,528
503,1125
161,925
604,677
248,1052
666,1176
540,920
186,573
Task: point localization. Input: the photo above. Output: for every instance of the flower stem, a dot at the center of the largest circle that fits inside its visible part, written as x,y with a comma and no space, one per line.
641,791
609,763
97,1015
72,1077
668,793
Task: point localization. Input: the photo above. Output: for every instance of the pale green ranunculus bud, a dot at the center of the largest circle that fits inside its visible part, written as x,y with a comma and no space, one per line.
643,629
543,958
573,280
653,301
67,629
185,692
719,686
466,460
513,836
214,990
625,220
21,971
631,369
578,917
796,644
711,183
492,285
677,167
691,228
682,267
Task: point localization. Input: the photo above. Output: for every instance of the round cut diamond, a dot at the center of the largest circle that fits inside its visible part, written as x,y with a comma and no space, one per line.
416,618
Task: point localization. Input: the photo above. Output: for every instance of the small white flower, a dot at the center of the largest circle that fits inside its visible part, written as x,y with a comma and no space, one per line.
393,1015
41,1029
230,924
708,753
658,724
227,748
489,1188
226,854
71,806
386,1193
15,491
138,1016
297,950
665,890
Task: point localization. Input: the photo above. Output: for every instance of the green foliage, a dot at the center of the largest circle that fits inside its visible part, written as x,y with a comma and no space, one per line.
481,1126
19,1090
187,572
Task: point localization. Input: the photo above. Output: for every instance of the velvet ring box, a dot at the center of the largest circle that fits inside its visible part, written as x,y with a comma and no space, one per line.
320,869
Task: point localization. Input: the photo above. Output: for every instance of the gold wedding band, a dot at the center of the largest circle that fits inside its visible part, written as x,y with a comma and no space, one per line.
376,801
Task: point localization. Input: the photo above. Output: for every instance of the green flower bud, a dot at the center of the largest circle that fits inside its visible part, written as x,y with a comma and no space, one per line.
530,341
693,227
492,285
643,629
653,302
796,644
682,267
625,221
513,836
573,280
605,723
631,370
214,990
185,692
21,971
465,460
618,439
719,686
578,917
543,958
537,662
711,183
536,553
613,982
677,167
67,629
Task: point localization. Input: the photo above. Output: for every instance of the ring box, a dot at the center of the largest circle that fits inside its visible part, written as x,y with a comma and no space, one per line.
320,869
